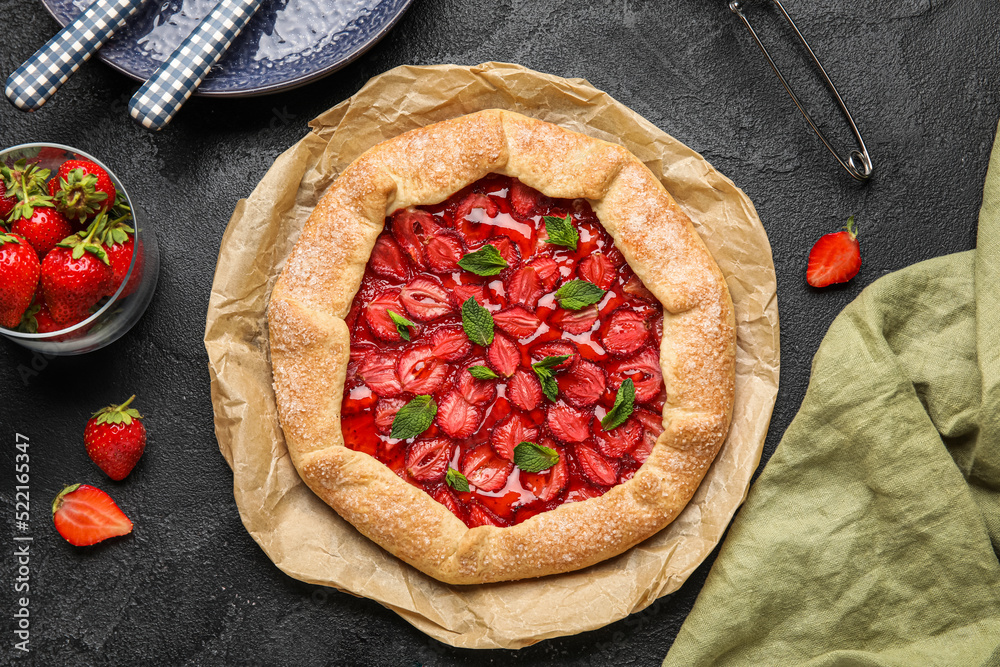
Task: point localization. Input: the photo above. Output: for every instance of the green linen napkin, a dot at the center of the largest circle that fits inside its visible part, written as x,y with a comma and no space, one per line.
871,537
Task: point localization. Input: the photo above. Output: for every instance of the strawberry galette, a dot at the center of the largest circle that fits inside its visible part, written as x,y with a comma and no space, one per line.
500,350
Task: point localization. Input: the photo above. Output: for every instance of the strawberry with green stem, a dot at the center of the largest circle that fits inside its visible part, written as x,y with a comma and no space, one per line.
82,189
44,227
85,515
835,258
19,271
119,242
77,273
115,438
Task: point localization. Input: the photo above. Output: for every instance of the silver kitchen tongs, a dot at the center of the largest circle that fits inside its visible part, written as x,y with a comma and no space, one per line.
859,163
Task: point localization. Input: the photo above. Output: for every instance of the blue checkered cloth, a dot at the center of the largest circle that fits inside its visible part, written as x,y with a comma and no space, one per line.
156,102
34,82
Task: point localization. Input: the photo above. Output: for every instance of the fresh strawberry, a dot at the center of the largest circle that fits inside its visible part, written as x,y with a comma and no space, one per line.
652,424
85,515
38,319
574,321
465,292
76,275
485,470
43,229
507,436
481,516
378,371
568,424
412,229
583,384
524,390
450,344
115,438
644,369
385,413
517,321
524,200
475,391
387,259
419,371
6,202
85,189
471,217
619,440
548,271
426,299
598,269
443,252
524,287
19,271
120,258
634,287
427,460
503,355
556,348
23,188
378,318
626,332
595,467
446,497
457,417
836,258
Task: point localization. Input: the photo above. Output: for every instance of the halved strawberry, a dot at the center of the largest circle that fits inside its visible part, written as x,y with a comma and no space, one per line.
634,287
503,355
480,516
419,371
835,258
595,467
412,229
465,292
443,252
427,460
524,200
619,440
652,424
485,470
85,515
426,299
574,321
507,436
378,371
556,348
475,391
626,332
517,321
524,390
385,413
471,217
568,424
446,497
524,287
547,269
598,269
644,369
387,259
457,417
450,344
583,384
377,315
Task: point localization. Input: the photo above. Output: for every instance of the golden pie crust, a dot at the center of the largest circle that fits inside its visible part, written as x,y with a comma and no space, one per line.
310,345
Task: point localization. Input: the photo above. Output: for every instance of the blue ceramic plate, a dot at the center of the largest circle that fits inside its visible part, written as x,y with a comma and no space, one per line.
288,43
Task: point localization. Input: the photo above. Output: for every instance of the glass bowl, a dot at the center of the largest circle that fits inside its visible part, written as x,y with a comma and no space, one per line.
113,316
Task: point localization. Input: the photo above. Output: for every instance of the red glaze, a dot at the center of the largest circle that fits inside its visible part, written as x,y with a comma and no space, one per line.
415,253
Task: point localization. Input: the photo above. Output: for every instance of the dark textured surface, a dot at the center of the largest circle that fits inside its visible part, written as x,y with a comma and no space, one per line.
191,586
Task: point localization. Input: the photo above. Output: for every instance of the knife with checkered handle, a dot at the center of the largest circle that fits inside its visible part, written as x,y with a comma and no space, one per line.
156,102
33,83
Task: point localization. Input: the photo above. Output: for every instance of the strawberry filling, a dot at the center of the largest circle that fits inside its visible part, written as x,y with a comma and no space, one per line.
414,277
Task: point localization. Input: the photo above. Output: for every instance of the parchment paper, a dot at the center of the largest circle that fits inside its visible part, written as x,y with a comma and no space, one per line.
307,539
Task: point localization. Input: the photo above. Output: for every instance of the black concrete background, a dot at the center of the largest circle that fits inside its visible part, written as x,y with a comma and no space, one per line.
190,586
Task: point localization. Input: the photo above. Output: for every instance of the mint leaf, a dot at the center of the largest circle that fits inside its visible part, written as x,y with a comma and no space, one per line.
531,457
622,409
578,294
484,262
548,363
561,231
544,369
482,373
477,322
456,480
414,418
401,324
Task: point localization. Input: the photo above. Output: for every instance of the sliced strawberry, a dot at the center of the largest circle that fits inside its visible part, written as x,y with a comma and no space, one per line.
574,321
457,417
598,269
503,355
485,470
524,200
426,299
507,249
471,217
652,424
568,424
387,259
480,516
525,287
475,391
615,255
450,344
446,497
517,321
619,440
658,331
412,229
419,371
443,252
548,271
465,292
626,332
583,384
427,460
835,258
635,287
378,371
507,436
595,467
377,315
524,390
557,476
556,348
385,413
644,369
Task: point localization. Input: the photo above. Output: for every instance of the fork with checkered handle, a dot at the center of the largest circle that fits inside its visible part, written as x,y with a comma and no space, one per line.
156,102
33,83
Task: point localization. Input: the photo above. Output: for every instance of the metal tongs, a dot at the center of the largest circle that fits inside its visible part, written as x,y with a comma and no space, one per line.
858,163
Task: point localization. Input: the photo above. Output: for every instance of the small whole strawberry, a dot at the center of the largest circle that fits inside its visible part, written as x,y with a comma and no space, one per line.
85,515
44,227
6,202
120,245
19,271
115,438
76,274
82,190
836,257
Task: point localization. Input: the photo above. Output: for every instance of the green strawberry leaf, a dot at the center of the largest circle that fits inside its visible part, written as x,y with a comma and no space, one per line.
623,407
456,480
484,262
531,457
401,324
482,373
414,418
578,294
477,322
561,231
